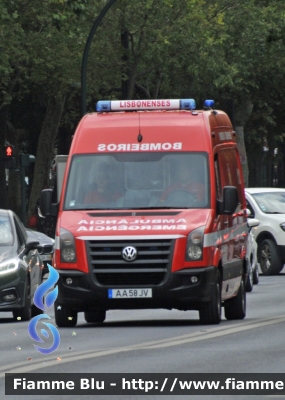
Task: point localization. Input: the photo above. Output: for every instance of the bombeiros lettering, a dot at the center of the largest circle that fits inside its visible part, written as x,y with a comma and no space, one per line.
139,146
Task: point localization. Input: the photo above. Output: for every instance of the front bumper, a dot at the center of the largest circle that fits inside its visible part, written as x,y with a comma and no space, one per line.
12,284
177,292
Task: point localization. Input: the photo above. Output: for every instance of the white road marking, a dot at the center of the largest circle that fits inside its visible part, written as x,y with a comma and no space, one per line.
219,331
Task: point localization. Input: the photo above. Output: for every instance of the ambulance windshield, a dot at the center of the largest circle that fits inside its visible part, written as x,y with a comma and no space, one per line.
138,181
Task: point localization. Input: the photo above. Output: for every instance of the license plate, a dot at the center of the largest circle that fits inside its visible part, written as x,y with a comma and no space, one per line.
129,293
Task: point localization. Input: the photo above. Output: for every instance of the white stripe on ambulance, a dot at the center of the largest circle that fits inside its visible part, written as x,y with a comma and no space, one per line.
139,146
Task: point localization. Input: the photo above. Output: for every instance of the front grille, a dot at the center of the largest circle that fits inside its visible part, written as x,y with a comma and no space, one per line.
150,268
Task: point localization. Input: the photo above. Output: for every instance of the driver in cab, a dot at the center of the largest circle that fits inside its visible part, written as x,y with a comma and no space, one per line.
186,181
102,189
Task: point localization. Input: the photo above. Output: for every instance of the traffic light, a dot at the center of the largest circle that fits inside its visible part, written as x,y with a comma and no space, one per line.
9,159
9,151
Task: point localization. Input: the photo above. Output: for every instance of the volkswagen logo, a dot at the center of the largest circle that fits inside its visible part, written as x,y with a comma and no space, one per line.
129,253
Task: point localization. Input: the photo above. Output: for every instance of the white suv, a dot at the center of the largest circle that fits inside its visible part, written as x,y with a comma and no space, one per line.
268,206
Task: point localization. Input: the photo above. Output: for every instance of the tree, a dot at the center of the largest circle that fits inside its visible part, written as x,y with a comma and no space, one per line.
229,50
40,40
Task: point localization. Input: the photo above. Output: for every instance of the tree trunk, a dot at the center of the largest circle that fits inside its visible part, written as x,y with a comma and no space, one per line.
242,113
270,159
242,152
45,149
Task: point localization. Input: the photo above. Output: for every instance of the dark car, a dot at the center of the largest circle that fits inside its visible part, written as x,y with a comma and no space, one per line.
20,268
45,247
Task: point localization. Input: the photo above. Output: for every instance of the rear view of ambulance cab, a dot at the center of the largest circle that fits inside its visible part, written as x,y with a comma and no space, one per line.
152,213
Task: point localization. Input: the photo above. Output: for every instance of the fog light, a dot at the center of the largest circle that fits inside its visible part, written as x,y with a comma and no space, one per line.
9,297
194,279
68,281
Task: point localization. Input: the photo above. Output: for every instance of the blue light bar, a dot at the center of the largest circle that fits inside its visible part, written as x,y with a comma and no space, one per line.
187,104
209,104
103,105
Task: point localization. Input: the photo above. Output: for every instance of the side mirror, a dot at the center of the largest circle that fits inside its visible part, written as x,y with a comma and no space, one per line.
230,201
46,205
252,222
31,245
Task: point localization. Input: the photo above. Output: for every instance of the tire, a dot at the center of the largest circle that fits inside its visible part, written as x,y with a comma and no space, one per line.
95,316
256,275
269,258
25,313
65,317
211,312
249,279
235,308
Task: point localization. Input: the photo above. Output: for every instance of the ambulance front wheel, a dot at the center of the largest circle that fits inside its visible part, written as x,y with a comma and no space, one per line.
235,308
211,312
65,317
256,275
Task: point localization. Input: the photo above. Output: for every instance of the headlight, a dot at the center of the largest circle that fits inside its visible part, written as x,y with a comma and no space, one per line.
282,226
67,246
194,252
8,266
194,246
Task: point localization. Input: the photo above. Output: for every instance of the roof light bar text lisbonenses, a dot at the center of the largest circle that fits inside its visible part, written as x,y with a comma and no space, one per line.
135,105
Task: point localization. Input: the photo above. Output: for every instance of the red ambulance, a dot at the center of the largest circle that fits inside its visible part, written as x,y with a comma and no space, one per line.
152,213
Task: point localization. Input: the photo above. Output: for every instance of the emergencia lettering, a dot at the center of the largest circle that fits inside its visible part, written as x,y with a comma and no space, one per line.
124,225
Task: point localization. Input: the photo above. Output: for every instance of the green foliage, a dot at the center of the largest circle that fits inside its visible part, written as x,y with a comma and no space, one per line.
228,50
